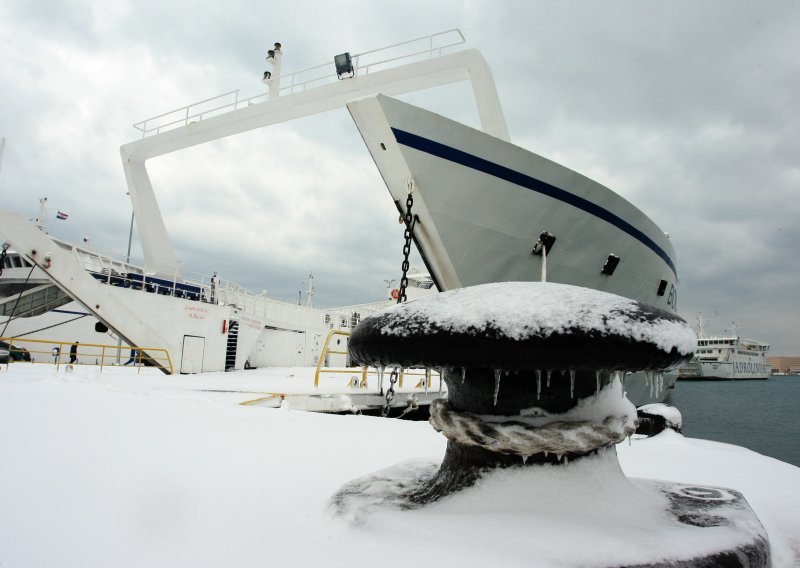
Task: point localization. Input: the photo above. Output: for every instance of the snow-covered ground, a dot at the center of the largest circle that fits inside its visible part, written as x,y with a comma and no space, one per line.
127,469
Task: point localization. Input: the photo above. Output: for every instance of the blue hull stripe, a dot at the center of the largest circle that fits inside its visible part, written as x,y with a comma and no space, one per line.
474,162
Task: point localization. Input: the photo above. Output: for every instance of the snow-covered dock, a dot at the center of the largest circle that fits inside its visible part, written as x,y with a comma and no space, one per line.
147,470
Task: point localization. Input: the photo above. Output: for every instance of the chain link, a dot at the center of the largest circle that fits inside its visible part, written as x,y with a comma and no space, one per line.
410,220
3,257
390,393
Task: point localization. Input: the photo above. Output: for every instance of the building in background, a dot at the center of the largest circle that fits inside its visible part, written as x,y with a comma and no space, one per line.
784,365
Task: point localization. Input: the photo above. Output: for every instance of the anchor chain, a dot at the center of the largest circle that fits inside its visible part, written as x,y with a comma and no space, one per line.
389,393
3,257
410,220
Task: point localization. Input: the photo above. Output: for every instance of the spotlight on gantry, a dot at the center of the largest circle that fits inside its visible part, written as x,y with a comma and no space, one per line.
344,66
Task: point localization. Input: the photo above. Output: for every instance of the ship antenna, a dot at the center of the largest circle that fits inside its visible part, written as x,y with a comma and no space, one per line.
310,293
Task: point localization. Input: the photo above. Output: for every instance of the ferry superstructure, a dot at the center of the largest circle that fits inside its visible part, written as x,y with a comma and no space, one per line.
727,357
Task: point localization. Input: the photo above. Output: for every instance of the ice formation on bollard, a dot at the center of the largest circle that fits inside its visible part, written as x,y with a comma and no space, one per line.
495,341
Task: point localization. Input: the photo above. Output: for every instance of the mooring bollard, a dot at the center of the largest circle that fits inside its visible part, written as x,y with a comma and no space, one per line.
517,358
535,375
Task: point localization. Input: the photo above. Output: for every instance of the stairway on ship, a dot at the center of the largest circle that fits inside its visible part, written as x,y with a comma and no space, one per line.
233,341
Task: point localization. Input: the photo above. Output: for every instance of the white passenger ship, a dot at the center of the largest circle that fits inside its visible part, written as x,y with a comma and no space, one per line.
727,358
485,210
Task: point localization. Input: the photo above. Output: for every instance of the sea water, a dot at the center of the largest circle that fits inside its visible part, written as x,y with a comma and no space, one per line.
759,415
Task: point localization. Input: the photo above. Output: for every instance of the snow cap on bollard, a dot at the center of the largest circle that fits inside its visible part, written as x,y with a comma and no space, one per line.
524,325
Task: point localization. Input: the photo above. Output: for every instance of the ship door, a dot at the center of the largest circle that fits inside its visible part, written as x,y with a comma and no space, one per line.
192,354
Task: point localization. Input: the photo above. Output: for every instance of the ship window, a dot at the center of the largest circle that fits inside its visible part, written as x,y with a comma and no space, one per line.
26,263
6,262
17,261
662,287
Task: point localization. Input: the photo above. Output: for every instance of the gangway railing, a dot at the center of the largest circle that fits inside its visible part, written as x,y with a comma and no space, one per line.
425,375
58,353
428,46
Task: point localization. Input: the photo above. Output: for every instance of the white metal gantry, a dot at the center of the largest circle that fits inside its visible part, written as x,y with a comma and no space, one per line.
421,65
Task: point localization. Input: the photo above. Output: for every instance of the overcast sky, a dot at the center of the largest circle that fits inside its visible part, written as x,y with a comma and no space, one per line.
688,109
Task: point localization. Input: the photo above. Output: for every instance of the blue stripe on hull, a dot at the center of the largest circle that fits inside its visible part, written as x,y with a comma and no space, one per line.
70,312
474,162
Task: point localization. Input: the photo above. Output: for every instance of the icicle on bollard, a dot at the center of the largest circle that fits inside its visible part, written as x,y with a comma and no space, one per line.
572,383
477,415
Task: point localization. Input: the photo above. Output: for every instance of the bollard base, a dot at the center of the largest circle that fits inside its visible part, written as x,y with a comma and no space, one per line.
584,509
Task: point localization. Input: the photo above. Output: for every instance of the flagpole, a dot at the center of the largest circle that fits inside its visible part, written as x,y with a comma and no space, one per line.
130,238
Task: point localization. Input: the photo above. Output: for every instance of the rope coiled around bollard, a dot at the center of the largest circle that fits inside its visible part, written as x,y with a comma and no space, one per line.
525,439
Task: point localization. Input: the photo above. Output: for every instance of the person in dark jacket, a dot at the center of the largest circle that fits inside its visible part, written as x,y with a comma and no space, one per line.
73,352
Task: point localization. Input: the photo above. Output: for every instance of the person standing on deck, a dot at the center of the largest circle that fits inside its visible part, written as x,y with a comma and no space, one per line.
73,352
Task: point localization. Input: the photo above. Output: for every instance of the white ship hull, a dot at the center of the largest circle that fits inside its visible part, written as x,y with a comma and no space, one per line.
726,371
482,203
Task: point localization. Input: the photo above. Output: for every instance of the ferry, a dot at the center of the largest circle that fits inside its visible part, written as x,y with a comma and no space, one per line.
478,208
727,357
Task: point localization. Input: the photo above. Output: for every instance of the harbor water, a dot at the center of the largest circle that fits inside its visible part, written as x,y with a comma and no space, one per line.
759,415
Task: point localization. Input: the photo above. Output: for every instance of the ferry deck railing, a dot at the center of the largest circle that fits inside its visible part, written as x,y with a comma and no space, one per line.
119,271
299,81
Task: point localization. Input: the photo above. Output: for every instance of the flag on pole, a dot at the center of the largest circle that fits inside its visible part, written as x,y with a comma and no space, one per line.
61,215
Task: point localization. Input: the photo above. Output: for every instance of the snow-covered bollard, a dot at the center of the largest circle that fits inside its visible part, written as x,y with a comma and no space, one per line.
657,417
534,371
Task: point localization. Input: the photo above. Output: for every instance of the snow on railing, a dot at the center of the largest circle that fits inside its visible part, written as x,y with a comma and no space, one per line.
300,81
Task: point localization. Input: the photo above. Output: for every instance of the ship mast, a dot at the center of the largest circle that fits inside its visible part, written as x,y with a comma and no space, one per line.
310,292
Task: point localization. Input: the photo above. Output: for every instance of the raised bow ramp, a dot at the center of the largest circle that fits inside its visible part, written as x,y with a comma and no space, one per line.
483,204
